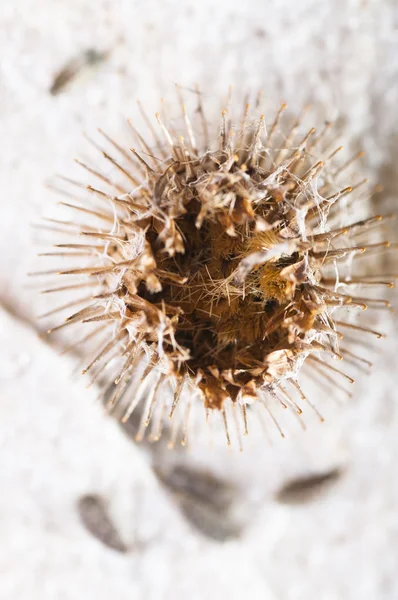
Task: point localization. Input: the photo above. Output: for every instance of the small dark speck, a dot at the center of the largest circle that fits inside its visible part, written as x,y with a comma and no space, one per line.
94,516
260,33
74,67
308,488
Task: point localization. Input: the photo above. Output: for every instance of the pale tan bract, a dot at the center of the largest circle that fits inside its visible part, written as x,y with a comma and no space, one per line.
217,266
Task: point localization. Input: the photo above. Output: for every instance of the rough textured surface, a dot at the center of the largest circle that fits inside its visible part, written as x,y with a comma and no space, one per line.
56,444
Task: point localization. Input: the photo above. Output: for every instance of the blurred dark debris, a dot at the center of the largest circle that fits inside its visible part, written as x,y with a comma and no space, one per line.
76,67
385,197
13,309
198,484
213,524
95,518
307,488
205,500
260,32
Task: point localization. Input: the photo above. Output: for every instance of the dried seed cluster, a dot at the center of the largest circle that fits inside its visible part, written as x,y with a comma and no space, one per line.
218,266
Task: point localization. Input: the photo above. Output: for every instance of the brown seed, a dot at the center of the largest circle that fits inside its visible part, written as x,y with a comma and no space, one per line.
219,266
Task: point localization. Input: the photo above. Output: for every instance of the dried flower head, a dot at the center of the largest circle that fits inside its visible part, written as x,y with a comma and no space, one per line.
218,266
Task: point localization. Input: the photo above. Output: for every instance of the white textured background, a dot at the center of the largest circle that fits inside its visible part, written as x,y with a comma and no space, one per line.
342,55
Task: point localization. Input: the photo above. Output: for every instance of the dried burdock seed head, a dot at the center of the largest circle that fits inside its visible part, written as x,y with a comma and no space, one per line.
216,268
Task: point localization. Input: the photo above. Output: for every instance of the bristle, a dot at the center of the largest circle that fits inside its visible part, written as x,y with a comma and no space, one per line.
359,328
64,307
244,416
101,177
175,429
150,402
275,124
349,162
152,130
167,136
105,350
122,170
176,397
275,422
335,385
296,385
93,213
236,425
331,368
225,422
136,393
84,339
188,125
185,426
356,357
121,150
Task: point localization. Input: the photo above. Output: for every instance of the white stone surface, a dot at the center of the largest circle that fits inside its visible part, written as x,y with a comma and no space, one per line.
56,444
